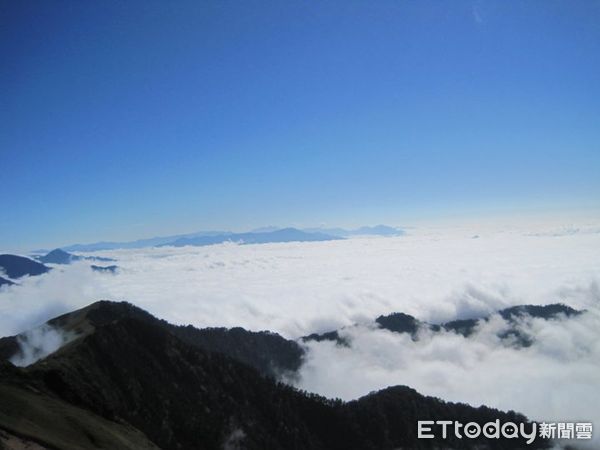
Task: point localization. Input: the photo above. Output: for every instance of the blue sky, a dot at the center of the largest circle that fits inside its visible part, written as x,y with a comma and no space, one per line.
121,120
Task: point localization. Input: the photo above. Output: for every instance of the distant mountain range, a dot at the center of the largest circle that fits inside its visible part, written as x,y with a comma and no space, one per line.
15,266
259,235
405,323
378,230
140,243
283,235
126,380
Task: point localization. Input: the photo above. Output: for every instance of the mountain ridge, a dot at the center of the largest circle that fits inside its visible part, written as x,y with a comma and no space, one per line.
265,237
399,322
212,237
126,368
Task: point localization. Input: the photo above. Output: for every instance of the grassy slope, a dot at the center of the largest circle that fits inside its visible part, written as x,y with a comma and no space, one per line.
55,424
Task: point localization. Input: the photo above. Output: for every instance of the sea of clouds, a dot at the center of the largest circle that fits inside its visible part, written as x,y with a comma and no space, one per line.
434,274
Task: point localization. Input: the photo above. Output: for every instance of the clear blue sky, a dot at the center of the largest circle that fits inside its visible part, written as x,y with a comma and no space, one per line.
125,119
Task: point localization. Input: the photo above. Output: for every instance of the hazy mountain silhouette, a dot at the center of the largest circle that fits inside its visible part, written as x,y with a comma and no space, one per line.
258,235
283,235
377,230
140,243
15,266
130,380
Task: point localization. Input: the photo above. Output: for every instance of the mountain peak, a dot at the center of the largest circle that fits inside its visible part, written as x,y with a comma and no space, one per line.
140,382
58,252
16,266
399,322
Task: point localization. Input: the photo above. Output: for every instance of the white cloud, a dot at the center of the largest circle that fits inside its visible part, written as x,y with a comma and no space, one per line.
37,343
555,379
433,274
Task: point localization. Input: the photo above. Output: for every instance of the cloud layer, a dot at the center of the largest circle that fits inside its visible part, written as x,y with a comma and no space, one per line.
435,275
556,379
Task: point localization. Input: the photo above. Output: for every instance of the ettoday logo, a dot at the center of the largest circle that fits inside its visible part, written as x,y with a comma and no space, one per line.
428,429
473,430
